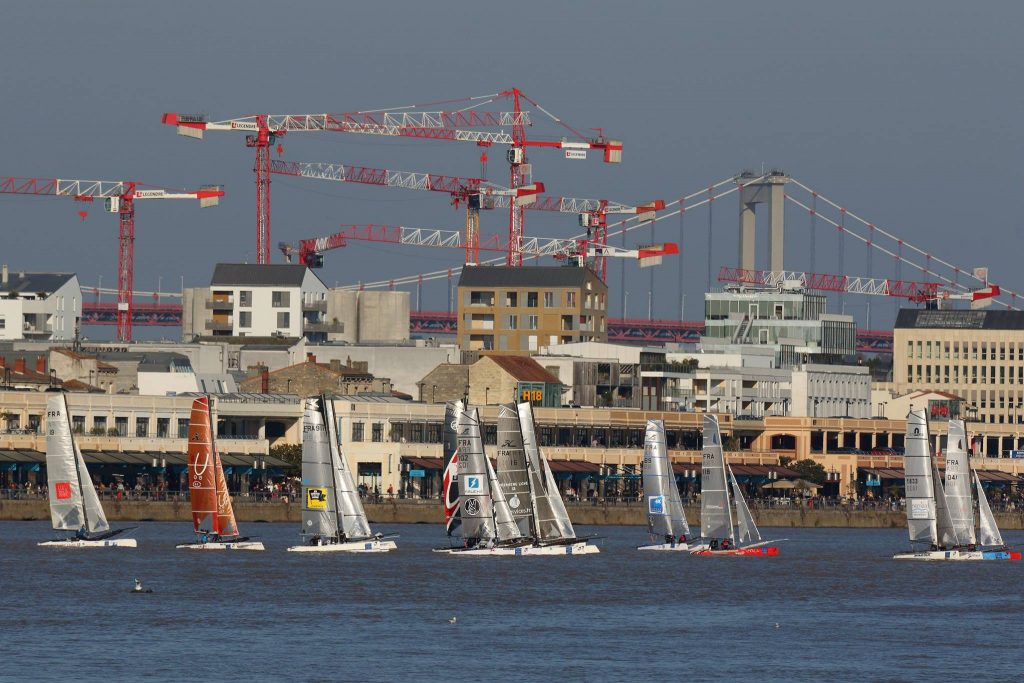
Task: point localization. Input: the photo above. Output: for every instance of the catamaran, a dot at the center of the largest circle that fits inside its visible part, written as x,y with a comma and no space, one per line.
520,512
74,505
718,537
213,517
666,522
333,518
943,516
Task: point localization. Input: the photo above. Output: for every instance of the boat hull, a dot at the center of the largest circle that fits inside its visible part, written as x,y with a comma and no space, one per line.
86,543
222,545
369,546
958,555
667,547
581,548
760,551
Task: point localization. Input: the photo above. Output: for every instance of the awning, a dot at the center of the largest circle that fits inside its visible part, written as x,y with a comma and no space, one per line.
984,475
741,470
424,463
574,466
140,458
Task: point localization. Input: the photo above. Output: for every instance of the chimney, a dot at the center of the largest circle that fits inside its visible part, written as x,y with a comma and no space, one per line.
41,364
265,380
310,358
19,365
6,274
336,364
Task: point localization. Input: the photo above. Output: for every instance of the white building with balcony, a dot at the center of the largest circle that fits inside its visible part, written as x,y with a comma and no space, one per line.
39,306
249,300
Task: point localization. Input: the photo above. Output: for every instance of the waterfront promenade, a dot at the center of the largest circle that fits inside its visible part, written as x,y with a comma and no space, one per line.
411,511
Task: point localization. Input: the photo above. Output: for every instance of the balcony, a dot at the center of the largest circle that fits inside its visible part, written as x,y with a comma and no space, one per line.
337,327
220,305
219,325
320,306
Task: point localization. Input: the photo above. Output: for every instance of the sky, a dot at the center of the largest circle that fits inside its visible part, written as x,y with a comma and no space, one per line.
908,113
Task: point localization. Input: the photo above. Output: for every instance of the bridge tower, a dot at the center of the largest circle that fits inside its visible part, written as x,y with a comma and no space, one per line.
771,190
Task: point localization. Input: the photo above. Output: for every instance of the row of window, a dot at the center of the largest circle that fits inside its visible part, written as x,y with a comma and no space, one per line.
966,374
957,350
284,319
551,299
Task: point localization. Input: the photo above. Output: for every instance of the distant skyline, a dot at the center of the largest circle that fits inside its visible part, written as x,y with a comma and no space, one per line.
906,113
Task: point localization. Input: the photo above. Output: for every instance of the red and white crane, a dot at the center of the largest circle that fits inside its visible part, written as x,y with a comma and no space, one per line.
918,292
477,194
119,197
310,251
263,130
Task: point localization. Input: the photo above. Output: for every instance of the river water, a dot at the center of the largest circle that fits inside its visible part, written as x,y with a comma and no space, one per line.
845,610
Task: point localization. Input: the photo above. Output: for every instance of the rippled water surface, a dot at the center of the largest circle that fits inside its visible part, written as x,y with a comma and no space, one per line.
844,610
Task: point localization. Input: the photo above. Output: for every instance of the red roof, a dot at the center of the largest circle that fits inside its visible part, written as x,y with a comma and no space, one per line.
522,368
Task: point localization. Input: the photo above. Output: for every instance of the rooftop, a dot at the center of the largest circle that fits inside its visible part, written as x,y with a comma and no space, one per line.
527,276
910,318
34,283
258,275
522,368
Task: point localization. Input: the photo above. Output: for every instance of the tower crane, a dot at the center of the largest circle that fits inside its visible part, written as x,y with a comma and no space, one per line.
310,251
119,196
928,293
263,130
479,194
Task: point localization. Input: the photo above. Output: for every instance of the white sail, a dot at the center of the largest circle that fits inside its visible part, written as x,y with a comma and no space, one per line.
989,532
74,504
475,506
944,529
958,483
715,512
505,525
320,505
917,466
665,515
513,470
565,529
354,524
748,532
545,518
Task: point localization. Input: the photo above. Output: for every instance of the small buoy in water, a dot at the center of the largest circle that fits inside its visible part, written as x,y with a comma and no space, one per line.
137,588
452,620
776,624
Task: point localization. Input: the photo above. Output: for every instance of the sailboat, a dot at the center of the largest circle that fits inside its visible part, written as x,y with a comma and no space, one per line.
450,483
718,537
666,522
943,516
74,505
213,517
333,518
520,511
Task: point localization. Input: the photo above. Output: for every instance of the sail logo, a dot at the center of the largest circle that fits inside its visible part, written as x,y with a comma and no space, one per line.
513,502
62,489
316,499
473,484
472,506
200,466
656,505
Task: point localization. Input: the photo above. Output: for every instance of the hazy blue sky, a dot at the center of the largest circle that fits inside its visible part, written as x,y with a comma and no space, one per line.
909,113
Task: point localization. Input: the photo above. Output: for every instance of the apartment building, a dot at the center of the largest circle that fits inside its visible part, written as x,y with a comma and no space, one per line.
39,306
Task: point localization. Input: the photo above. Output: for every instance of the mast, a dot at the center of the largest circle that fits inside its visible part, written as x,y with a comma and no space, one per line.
332,438
215,519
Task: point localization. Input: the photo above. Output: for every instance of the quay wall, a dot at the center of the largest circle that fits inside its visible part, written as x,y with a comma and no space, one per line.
409,512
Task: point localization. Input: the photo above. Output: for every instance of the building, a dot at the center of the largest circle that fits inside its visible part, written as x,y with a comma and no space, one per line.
75,366
18,373
791,321
310,378
40,306
830,391
975,355
515,310
495,378
368,317
248,300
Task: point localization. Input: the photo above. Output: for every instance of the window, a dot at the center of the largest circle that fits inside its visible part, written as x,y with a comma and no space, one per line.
245,319
531,322
163,427
182,428
78,424
511,299
511,322
570,299
3,323
357,431
284,320
377,432
121,425
549,299
531,299
245,298
481,298
142,426
280,299
531,342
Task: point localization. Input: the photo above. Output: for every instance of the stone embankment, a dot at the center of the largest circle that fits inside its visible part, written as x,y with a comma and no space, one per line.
429,512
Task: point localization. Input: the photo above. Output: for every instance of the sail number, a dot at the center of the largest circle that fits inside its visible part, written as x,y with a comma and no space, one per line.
709,456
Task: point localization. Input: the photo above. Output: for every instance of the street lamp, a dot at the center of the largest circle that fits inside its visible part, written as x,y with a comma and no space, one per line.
433,389
486,392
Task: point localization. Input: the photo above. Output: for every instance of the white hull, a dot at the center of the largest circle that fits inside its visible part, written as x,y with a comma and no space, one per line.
957,555
678,547
84,543
580,548
222,545
369,546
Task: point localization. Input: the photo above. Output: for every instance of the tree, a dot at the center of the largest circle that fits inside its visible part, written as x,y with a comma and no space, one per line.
291,453
809,470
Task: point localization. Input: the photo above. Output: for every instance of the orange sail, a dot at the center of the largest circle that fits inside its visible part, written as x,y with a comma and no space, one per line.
225,513
202,469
